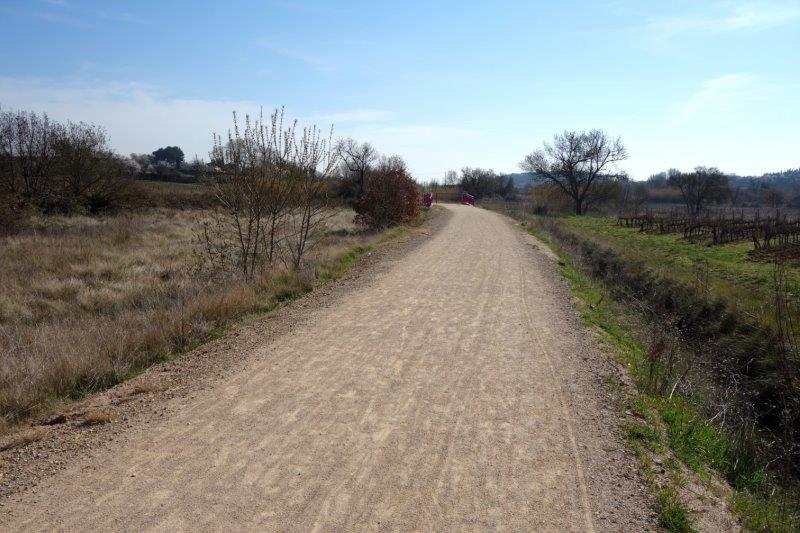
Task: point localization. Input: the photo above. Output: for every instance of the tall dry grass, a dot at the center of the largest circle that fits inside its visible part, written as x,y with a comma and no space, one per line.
86,302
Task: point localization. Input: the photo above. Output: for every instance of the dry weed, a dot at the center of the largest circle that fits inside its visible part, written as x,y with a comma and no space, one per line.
86,302
22,438
98,417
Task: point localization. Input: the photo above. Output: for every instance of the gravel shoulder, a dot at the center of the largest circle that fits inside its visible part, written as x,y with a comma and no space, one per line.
447,383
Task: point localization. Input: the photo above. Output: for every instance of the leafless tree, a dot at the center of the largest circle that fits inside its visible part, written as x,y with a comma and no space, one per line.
451,177
26,152
271,194
391,163
699,187
772,197
486,183
313,161
59,166
252,192
89,172
356,158
630,196
580,163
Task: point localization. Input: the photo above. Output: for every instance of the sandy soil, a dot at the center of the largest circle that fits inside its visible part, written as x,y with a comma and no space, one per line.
455,390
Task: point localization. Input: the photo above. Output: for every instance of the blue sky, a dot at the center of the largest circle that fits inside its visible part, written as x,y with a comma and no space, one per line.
444,84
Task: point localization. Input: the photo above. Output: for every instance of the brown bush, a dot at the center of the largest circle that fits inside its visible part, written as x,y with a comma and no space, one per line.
153,194
390,196
27,436
548,199
14,214
60,168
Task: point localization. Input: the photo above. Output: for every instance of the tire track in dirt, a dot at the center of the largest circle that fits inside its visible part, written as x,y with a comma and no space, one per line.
566,411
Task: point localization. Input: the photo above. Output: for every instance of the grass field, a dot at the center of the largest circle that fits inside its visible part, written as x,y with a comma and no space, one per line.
725,271
671,421
86,302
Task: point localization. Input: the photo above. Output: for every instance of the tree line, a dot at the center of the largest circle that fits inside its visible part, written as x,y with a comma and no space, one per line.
481,183
58,167
273,185
579,171
277,185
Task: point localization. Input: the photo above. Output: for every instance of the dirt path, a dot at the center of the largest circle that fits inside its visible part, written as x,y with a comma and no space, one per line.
457,390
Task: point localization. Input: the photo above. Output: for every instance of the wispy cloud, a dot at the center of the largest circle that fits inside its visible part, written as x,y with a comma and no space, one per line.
122,16
354,116
139,117
722,94
760,16
311,61
306,8
66,13
727,17
64,19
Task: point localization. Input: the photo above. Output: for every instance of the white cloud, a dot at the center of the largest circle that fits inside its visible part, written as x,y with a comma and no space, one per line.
759,16
728,17
421,134
353,116
429,149
65,19
67,14
311,61
121,16
722,94
140,118
137,117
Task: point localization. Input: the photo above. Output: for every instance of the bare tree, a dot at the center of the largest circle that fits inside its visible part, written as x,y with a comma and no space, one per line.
357,159
486,183
630,196
271,194
451,177
700,187
580,163
772,197
313,161
26,152
88,172
244,189
59,166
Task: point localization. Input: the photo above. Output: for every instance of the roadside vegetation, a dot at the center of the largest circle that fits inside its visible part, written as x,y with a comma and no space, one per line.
672,429
699,300
105,274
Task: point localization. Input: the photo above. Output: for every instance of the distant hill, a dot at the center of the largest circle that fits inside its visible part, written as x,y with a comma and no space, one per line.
787,179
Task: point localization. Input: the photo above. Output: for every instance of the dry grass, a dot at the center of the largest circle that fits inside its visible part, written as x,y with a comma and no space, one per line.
88,302
22,438
142,386
99,417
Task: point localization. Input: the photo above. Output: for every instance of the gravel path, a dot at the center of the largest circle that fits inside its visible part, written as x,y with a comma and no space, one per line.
457,390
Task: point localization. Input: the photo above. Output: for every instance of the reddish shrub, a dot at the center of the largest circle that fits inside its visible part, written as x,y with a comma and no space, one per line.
390,197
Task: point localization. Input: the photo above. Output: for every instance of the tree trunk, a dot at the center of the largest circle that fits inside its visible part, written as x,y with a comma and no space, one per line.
360,184
579,206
